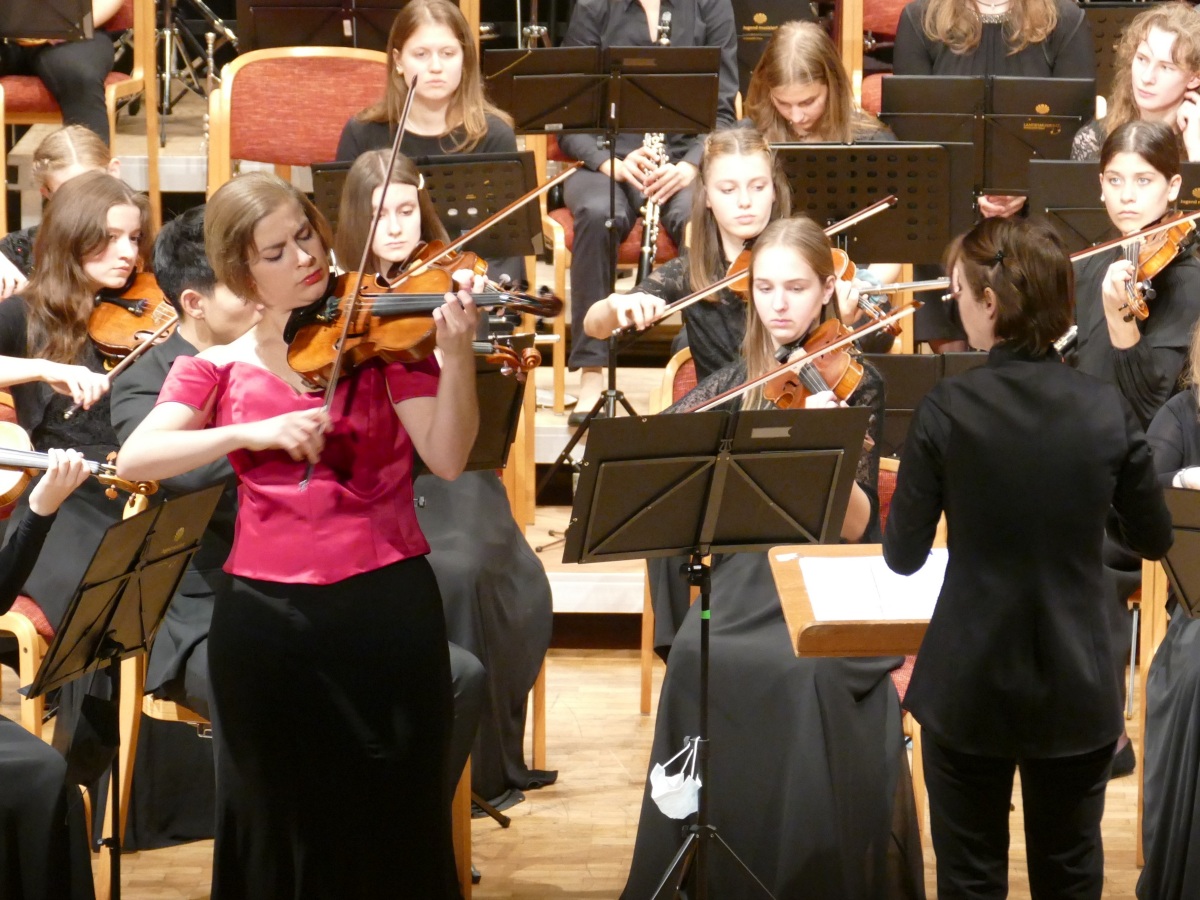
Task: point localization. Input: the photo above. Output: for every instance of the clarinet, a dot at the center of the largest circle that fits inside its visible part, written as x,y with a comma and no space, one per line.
655,144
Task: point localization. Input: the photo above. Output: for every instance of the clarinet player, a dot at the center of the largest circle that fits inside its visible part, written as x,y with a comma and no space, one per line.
633,23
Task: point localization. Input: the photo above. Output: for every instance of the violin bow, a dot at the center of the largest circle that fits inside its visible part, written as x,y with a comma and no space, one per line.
1136,236
351,310
130,358
849,222
804,359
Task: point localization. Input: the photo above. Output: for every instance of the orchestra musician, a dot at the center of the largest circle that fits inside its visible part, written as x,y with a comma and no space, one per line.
1172,756
73,71
62,154
495,592
430,42
810,786
1025,457
44,848
327,657
640,177
1156,76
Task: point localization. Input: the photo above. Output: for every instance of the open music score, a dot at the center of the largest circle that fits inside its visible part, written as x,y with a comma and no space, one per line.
844,601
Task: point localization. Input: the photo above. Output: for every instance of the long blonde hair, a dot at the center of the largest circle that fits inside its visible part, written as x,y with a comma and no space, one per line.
1178,19
470,105
71,145
806,238
356,209
704,243
60,295
801,53
958,25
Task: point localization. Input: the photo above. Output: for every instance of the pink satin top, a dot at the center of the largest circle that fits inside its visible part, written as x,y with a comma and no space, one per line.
356,514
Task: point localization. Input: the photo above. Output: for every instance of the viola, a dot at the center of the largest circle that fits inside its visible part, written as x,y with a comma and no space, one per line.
392,322
836,370
1154,254
120,321
19,463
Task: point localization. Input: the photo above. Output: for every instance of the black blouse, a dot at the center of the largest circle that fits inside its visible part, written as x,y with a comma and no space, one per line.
1067,53
40,411
18,556
358,137
1148,373
1174,436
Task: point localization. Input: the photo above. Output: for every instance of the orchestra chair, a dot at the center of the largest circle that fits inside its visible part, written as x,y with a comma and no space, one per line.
679,377
1154,629
25,100
287,106
558,229
26,622
880,22
134,702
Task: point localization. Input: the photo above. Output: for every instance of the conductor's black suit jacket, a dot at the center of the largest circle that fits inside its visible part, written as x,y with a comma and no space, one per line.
1026,456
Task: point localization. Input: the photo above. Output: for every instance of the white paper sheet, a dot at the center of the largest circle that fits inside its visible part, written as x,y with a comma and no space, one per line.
855,588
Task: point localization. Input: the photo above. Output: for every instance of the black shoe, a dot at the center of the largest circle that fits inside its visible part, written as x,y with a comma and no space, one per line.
577,417
1124,762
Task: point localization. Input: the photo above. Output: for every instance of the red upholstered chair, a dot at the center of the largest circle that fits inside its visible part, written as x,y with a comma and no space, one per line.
558,227
881,19
24,99
679,377
287,106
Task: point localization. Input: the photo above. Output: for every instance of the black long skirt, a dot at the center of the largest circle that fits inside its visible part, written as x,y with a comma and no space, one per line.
43,842
808,781
1171,816
332,717
498,606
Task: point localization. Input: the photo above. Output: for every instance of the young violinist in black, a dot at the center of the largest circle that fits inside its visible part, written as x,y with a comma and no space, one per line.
494,590
1026,458
808,781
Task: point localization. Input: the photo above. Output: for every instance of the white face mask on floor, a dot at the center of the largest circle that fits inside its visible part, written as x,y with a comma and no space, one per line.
678,795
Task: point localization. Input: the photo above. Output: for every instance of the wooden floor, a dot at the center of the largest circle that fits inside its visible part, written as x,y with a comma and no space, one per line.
574,839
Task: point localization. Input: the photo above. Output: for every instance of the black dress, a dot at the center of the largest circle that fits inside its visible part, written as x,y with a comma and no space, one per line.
43,842
1171,817
497,601
808,780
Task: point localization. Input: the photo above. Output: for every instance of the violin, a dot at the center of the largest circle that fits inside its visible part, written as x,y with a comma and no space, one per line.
845,270
120,321
393,322
19,462
836,370
1151,256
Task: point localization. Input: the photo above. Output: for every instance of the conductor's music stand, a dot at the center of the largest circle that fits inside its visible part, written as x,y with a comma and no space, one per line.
699,483
1182,562
119,604
68,20
933,183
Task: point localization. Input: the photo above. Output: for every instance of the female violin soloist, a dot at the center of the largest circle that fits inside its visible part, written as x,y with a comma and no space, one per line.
334,624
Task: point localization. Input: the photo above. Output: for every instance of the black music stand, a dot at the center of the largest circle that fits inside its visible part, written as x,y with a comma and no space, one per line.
702,483
1067,194
955,118
466,188
1108,22
932,182
68,20
119,605
1031,118
312,23
1182,562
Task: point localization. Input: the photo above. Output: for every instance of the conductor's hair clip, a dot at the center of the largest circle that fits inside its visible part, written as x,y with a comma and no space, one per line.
999,258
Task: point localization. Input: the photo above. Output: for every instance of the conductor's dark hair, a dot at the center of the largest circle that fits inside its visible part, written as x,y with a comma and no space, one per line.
1026,265
179,260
